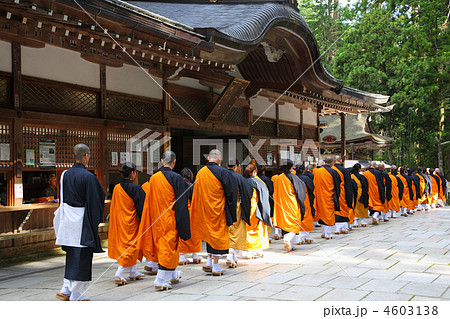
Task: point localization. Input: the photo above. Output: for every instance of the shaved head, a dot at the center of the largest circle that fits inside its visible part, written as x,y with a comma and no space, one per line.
215,156
329,160
168,157
373,164
79,151
338,159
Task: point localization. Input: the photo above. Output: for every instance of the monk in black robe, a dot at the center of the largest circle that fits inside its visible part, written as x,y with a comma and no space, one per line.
76,221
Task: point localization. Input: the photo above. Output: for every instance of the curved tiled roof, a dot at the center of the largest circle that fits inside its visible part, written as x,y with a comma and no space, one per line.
244,22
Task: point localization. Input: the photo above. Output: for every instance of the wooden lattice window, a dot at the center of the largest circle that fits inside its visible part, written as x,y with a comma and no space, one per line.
237,115
5,138
263,128
58,99
4,92
196,108
310,133
117,143
133,109
65,140
289,131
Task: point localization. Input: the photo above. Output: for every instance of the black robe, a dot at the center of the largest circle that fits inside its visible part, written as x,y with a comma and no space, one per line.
246,193
300,191
310,175
230,189
269,185
180,207
388,184
310,187
444,184
401,187
136,193
347,185
82,189
416,180
364,199
263,209
337,186
409,182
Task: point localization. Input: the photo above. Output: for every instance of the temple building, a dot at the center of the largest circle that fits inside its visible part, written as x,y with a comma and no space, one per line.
167,73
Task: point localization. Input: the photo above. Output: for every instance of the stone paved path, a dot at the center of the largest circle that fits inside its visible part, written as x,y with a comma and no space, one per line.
404,259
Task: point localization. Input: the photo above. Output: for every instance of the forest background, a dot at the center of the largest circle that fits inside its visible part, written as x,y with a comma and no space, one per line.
398,48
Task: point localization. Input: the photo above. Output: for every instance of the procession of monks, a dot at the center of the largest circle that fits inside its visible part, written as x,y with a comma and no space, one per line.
234,213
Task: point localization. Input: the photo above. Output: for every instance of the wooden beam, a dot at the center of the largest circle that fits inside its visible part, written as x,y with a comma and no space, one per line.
187,123
226,100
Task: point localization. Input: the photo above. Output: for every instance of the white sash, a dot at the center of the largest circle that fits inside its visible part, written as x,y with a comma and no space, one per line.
68,222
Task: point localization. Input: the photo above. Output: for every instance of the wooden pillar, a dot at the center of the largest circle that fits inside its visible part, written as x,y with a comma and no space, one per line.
277,119
104,167
102,103
301,125
319,109
17,124
343,146
166,105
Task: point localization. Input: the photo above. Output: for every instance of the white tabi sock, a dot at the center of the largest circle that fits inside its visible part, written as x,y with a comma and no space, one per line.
162,276
134,272
182,258
195,256
216,268
375,215
176,275
208,261
78,288
120,271
65,287
363,221
289,237
153,265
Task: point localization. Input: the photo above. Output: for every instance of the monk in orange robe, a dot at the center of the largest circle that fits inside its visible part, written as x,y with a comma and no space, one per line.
435,188
213,209
260,222
192,245
289,208
327,186
409,190
277,232
245,204
443,191
150,264
164,221
397,192
404,202
125,213
307,224
415,183
361,206
377,192
425,189
342,217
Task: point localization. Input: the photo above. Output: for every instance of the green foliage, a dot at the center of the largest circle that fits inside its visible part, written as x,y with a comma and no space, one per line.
399,48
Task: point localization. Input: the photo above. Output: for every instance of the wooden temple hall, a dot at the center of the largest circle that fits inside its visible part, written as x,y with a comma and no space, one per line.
101,72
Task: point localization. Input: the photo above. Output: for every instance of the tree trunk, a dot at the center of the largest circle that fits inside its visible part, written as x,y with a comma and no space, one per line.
389,134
